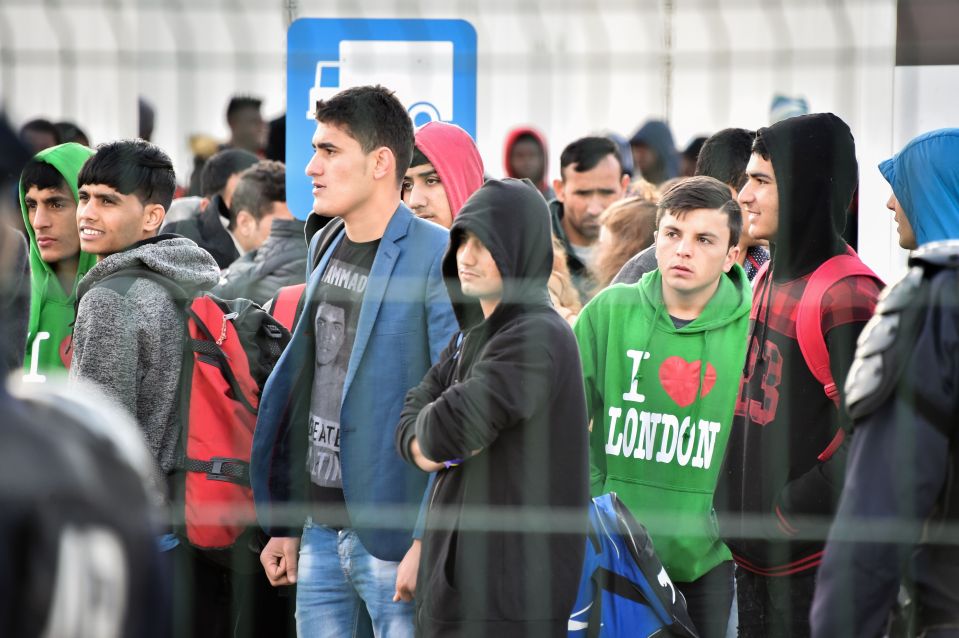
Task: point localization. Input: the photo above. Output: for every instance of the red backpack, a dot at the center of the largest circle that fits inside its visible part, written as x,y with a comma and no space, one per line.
812,342
287,305
230,349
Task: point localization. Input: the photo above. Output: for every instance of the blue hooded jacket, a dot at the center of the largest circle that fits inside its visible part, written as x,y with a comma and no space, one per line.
924,175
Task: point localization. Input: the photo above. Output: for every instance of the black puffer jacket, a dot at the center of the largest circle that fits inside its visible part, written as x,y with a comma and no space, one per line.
280,261
511,386
208,229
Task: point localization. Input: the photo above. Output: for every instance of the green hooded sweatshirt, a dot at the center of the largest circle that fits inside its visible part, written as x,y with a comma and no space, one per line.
660,418
52,309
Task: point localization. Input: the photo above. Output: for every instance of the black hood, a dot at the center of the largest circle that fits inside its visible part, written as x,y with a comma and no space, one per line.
814,157
511,218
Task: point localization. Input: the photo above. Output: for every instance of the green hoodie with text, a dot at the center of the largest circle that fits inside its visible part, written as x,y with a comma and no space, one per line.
52,309
661,402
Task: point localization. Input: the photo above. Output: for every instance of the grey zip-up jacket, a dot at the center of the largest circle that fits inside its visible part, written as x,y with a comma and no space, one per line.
259,274
129,340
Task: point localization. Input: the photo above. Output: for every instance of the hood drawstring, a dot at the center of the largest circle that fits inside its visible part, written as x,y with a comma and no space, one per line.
649,339
765,298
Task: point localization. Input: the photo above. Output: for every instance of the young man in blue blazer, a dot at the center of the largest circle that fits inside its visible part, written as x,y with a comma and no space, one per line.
376,316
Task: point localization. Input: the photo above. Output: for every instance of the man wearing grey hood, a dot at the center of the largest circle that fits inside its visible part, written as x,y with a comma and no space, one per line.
127,337
130,333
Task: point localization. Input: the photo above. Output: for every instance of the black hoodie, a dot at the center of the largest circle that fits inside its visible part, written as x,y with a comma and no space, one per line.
814,157
784,420
510,386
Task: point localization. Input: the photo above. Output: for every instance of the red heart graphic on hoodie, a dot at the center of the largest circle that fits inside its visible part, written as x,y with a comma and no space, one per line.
680,379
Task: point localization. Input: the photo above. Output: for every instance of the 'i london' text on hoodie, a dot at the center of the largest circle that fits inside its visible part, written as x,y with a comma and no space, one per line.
661,402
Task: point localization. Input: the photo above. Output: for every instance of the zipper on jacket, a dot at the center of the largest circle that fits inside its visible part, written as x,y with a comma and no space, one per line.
457,356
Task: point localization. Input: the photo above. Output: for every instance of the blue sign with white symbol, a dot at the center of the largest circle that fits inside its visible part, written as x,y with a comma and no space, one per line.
430,64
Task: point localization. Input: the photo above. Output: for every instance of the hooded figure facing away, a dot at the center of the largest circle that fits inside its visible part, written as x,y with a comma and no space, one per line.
782,463
901,395
48,200
502,418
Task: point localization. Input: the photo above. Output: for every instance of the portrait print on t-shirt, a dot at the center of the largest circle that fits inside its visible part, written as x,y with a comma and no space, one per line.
329,375
336,313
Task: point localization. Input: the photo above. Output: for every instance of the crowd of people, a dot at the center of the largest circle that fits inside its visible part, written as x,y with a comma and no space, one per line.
466,361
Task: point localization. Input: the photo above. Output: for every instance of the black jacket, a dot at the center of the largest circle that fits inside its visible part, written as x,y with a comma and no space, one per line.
510,386
206,229
772,472
579,272
259,274
15,290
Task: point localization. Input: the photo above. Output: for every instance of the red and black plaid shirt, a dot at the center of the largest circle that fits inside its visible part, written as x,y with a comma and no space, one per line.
849,300
784,419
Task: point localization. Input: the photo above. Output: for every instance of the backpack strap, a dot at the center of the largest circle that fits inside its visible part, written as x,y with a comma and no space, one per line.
123,279
762,269
812,342
759,281
287,304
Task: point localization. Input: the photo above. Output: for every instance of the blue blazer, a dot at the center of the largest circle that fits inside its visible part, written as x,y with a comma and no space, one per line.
405,321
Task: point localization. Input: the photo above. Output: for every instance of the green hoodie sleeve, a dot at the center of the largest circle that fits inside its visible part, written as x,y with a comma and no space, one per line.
586,337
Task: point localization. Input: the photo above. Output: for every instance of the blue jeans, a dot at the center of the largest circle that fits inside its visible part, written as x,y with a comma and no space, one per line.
336,577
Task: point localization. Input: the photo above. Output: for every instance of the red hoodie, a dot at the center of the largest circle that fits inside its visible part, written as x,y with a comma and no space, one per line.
454,155
511,138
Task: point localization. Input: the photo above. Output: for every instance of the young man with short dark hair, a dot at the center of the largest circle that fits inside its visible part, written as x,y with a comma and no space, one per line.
268,232
591,178
130,331
661,361
247,128
502,418
380,265
786,455
127,341
48,200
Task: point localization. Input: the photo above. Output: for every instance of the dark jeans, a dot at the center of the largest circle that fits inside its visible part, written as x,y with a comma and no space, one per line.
770,607
708,600
210,600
